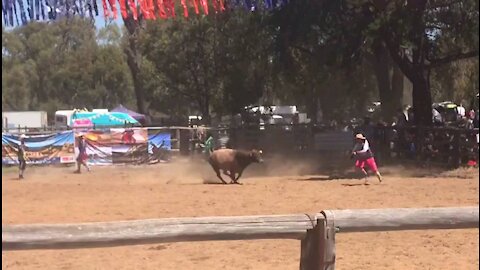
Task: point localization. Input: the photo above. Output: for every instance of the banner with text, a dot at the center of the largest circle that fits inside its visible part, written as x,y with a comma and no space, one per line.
40,149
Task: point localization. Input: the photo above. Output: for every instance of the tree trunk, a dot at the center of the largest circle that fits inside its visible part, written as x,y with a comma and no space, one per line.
389,81
133,61
382,67
422,99
397,87
312,104
206,118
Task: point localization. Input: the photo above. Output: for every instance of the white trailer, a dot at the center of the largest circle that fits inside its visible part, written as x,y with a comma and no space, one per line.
11,121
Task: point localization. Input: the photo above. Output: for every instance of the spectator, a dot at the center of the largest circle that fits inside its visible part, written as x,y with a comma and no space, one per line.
461,110
82,154
208,145
402,118
22,163
437,117
411,116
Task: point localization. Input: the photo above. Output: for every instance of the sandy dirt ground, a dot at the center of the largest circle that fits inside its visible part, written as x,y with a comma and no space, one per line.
56,195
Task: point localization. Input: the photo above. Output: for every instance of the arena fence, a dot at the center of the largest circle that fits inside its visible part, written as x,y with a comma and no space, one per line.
316,232
444,146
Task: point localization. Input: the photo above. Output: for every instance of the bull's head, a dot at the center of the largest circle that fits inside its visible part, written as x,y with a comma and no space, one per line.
256,156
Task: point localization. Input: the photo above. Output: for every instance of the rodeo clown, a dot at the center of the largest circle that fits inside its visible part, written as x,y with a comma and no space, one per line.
364,156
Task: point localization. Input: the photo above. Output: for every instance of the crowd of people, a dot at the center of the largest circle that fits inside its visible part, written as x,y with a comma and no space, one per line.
442,115
447,144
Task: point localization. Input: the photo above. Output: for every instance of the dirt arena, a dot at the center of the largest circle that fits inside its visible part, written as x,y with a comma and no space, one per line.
56,195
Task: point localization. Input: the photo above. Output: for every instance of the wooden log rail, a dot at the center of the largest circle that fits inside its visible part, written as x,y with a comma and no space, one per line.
367,220
106,234
316,232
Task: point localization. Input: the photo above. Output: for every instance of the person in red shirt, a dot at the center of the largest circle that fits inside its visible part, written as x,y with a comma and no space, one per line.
82,154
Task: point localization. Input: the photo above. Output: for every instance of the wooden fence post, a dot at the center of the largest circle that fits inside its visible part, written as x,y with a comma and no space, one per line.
329,241
312,252
177,135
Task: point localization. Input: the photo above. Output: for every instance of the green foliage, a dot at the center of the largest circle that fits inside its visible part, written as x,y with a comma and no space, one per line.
63,65
215,63
319,55
419,36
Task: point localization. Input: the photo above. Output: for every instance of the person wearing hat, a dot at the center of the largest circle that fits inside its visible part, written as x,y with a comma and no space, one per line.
82,154
22,163
208,145
364,156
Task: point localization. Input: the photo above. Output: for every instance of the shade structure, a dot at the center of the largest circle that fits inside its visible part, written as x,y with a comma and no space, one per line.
137,116
105,119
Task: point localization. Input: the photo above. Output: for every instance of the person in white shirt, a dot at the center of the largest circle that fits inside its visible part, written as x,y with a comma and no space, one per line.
461,110
364,156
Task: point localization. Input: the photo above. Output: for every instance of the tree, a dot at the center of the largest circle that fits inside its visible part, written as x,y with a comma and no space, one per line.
215,64
410,31
134,58
61,65
317,58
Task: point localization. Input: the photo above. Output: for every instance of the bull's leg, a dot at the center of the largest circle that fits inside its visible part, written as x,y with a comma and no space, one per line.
232,176
220,176
238,177
217,171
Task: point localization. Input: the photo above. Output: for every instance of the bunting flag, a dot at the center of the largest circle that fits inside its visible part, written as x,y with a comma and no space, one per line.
204,4
195,5
185,8
143,7
161,9
222,5
133,9
170,8
113,6
123,8
151,10
215,5
20,12
106,12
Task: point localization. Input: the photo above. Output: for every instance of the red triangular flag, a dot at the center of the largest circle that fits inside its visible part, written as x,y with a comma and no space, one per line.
144,8
151,10
113,6
170,7
161,9
106,12
195,5
133,8
214,4
204,4
185,8
123,8
222,5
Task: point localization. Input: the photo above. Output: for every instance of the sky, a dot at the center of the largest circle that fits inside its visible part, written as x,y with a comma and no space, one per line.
100,20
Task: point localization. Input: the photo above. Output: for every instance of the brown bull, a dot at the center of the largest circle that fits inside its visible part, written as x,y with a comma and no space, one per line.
232,161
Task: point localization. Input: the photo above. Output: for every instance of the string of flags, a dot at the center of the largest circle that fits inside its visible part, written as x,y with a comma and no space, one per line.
20,12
